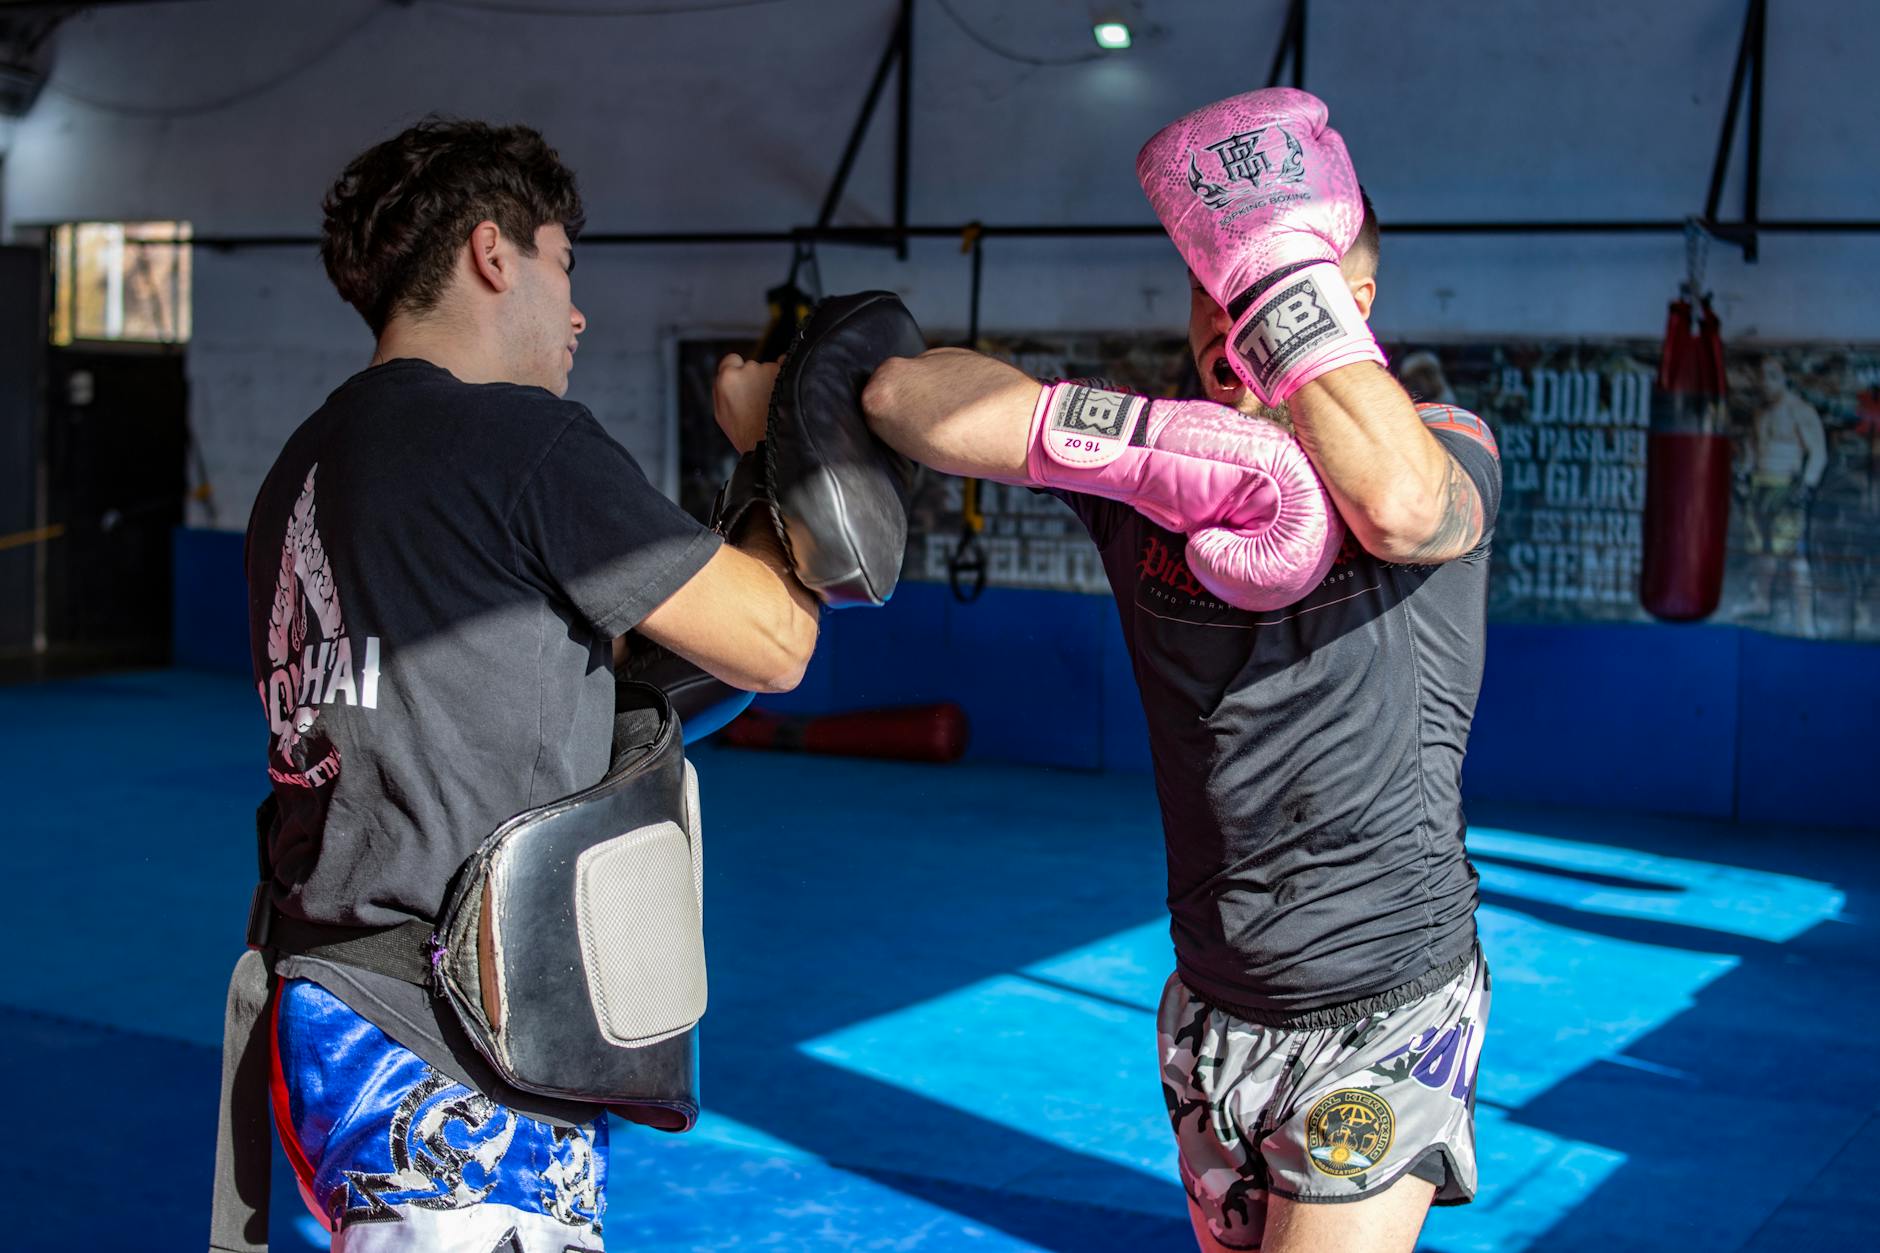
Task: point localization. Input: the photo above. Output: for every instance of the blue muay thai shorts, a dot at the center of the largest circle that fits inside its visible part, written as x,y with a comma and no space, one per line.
391,1154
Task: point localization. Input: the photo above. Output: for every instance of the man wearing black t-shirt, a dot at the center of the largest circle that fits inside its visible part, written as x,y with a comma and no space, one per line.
442,564
1319,1038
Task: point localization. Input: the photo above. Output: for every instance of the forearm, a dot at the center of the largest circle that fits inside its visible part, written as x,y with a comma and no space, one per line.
958,411
1403,496
789,613
744,618
757,539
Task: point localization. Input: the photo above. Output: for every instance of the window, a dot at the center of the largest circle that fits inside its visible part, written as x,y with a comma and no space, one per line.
122,281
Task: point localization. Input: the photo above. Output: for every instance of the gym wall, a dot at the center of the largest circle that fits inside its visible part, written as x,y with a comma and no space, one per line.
734,119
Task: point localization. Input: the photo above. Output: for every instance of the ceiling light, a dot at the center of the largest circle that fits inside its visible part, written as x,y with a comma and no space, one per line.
1111,36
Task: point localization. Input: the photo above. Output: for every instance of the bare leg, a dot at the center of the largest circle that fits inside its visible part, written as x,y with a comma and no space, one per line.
1385,1223
1802,587
1761,586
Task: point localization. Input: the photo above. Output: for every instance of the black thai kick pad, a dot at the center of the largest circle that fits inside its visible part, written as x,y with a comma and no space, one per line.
593,948
840,493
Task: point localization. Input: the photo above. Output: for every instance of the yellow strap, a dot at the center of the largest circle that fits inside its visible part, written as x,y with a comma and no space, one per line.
19,539
969,508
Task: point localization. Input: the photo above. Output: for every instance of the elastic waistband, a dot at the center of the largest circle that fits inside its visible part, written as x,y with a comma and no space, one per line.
1350,1011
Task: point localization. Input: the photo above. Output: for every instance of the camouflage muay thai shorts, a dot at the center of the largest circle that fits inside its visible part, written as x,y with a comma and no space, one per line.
1323,1114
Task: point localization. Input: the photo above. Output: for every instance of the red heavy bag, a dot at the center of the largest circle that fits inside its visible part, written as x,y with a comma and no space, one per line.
1687,472
911,733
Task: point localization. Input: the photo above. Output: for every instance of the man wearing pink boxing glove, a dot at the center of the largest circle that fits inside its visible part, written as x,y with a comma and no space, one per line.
1308,691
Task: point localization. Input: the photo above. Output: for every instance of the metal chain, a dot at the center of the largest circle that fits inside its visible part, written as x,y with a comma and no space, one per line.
1696,258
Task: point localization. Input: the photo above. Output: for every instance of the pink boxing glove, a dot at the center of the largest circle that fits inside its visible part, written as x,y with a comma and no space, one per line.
1261,201
1262,531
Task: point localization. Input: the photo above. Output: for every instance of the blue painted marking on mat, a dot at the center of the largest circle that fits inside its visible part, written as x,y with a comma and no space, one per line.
1563,999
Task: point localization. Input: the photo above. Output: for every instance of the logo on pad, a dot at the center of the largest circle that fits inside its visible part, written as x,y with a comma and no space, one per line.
1284,327
1349,1132
1251,163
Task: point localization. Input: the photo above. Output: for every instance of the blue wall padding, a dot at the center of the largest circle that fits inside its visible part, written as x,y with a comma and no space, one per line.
1710,721
1035,689
209,613
1628,717
1809,737
1028,668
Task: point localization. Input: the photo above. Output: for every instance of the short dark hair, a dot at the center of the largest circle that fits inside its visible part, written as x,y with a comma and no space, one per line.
1365,246
402,209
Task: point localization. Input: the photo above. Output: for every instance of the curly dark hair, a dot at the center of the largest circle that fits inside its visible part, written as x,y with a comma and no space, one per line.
402,209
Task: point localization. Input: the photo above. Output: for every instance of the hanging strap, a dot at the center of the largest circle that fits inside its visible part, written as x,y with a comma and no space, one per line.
238,1210
966,568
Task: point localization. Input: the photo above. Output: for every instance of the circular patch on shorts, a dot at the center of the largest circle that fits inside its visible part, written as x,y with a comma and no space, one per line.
1349,1132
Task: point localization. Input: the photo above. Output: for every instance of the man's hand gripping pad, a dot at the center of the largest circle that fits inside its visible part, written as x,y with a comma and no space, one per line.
841,494
1262,530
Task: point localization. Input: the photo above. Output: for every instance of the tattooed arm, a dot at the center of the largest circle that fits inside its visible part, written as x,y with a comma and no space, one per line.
1405,498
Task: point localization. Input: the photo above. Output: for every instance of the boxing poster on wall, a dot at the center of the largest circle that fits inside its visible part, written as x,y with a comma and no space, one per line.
1572,418
1802,554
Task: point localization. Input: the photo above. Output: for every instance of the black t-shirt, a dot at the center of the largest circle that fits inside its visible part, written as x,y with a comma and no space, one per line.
436,571
1308,761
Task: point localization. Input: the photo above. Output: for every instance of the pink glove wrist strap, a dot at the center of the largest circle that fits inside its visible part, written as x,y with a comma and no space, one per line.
1297,329
1079,427
1079,433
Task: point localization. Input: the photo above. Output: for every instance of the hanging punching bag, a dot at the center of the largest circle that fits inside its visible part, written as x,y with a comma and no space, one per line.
1687,471
910,733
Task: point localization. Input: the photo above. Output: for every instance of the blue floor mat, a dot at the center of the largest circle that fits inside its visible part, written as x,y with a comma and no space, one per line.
932,996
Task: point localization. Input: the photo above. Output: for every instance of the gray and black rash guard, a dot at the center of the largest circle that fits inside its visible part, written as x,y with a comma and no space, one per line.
1308,762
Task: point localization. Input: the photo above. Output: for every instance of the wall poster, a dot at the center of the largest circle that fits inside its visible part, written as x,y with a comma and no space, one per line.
1572,418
